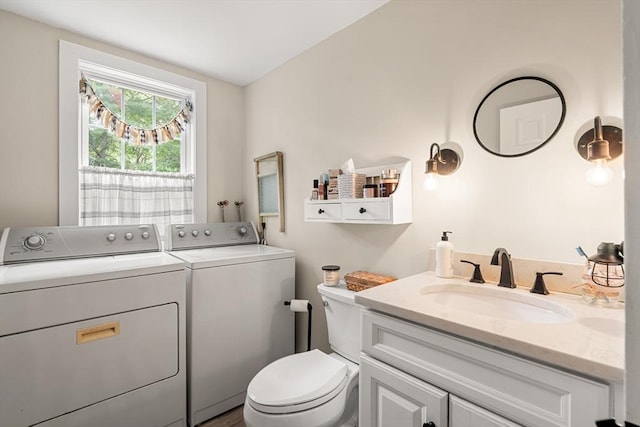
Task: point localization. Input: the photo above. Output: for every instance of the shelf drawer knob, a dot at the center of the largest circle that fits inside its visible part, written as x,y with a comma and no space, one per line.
362,210
429,424
320,211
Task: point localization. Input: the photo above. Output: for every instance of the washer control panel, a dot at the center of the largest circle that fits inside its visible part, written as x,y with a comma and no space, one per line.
209,235
30,244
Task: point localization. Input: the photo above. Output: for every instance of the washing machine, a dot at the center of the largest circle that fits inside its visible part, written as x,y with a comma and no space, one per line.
92,328
237,322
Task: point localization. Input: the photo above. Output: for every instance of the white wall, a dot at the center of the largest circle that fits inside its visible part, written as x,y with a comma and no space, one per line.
412,73
29,123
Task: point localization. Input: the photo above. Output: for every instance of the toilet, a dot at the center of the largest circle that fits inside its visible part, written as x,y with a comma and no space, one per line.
313,389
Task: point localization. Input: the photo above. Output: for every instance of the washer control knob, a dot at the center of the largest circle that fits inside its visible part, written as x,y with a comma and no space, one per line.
207,232
111,237
242,230
145,234
35,241
128,235
181,233
194,233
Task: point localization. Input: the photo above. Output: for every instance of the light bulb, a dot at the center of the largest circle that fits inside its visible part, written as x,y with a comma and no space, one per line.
599,174
430,181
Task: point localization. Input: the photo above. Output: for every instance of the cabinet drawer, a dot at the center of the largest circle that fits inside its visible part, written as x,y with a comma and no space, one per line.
323,211
378,210
524,391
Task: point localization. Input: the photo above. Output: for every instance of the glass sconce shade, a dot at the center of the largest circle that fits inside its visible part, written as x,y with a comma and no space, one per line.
431,182
599,174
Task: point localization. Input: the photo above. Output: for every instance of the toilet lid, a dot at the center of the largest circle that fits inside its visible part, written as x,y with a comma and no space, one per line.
297,378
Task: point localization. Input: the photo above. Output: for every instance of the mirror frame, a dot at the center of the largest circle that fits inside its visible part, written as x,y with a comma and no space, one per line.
560,122
276,186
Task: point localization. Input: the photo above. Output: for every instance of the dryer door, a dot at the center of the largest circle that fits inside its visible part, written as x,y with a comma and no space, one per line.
48,372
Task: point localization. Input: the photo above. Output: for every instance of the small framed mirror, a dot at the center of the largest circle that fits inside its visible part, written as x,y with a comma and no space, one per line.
270,186
519,116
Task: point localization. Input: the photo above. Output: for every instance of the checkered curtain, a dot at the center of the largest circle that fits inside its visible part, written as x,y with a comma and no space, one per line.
109,196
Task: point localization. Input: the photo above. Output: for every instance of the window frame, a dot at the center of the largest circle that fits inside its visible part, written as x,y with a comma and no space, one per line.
73,58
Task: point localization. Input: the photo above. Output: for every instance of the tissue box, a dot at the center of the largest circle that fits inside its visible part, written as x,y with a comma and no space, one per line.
350,185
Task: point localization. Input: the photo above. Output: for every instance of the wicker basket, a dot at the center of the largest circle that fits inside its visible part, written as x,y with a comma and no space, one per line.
360,280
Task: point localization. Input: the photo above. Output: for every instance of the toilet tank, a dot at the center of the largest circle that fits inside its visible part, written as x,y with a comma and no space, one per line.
343,320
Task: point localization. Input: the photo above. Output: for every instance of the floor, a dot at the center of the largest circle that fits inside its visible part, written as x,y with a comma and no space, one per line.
232,418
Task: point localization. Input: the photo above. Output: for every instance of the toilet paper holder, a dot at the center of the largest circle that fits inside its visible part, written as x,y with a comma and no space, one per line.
299,306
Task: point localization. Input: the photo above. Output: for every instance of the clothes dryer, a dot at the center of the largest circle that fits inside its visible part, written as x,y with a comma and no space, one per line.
92,328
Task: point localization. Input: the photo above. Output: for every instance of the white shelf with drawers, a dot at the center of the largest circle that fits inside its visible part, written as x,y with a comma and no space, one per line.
395,209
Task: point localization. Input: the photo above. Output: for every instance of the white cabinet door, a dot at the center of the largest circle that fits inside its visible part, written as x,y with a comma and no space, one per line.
465,414
391,398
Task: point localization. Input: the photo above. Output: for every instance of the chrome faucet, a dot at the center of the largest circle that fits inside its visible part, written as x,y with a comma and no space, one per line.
503,258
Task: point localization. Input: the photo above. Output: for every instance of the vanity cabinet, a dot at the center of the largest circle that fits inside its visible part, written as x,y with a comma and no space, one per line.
421,375
395,209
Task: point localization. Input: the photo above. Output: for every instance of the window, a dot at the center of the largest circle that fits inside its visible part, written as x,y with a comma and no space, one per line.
127,154
142,109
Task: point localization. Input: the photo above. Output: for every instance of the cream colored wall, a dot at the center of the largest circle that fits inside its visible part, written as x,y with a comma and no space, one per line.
412,73
29,123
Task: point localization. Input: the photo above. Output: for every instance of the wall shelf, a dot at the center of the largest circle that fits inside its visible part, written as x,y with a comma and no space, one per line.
395,209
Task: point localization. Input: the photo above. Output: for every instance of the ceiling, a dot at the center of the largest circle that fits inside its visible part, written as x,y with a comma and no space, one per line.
237,41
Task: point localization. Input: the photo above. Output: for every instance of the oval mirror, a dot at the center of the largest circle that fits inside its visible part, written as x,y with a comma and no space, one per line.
519,116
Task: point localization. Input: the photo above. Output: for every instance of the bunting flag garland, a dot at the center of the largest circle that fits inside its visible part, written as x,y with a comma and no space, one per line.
121,129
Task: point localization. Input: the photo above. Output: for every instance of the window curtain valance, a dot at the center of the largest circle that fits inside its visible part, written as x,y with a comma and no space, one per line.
139,136
110,196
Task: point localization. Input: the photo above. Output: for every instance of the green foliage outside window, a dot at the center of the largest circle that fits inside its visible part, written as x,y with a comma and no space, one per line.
168,156
105,147
138,157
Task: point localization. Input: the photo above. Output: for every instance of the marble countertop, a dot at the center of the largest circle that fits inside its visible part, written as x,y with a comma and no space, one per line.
591,342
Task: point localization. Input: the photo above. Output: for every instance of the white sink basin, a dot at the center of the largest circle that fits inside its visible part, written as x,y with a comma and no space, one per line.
495,302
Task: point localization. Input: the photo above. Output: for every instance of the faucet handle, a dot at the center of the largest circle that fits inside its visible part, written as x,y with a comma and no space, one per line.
538,286
477,274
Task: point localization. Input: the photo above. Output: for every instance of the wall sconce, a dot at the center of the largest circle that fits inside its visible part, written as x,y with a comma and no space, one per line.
600,145
444,161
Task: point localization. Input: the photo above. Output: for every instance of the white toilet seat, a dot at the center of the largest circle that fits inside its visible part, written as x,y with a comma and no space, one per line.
297,383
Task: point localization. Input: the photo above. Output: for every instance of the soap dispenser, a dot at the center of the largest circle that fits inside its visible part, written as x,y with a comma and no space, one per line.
444,256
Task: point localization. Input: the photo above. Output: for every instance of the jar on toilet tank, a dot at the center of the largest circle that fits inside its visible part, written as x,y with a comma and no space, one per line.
331,275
